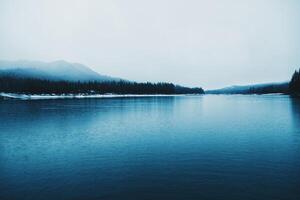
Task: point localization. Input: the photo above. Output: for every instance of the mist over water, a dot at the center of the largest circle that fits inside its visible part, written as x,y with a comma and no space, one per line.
193,147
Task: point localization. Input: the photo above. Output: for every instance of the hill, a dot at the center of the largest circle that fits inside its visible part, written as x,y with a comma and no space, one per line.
266,88
54,71
61,77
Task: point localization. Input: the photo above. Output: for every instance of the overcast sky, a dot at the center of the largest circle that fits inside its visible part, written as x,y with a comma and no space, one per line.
208,43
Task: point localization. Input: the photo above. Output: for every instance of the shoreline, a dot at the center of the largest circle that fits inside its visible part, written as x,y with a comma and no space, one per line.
14,96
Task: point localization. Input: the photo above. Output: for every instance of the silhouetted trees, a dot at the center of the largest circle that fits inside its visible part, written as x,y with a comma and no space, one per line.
295,83
10,84
269,89
254,89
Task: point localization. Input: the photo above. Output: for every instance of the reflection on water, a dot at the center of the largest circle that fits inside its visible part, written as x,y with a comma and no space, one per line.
203,147
295,105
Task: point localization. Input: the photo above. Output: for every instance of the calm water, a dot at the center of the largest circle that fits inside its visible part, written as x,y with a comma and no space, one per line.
207,147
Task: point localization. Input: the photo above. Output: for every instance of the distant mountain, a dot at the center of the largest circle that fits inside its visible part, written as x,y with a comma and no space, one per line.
266,88
54,71
61,77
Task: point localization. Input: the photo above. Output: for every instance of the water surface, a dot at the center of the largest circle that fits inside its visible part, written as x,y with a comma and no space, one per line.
193,147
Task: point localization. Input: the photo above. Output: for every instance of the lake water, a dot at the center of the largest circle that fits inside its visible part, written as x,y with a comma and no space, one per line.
193,147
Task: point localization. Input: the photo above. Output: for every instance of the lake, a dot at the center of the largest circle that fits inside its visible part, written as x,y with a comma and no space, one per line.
182,147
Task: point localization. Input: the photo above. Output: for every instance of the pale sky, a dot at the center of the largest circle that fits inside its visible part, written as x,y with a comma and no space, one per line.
207,43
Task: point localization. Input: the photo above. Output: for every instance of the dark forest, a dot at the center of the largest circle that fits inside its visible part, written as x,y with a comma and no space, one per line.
38,86
294,85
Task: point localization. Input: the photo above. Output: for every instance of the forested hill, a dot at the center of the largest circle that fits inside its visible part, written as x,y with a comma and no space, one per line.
11,84
61,77
292,87
267,88
59,70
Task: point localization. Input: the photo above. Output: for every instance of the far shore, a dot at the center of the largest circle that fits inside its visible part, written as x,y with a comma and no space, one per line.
81,96
15,96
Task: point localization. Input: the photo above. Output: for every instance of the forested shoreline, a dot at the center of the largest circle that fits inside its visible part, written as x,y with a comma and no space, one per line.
291,87
18,85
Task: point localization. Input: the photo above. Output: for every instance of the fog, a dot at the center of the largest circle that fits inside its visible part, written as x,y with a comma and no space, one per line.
207,43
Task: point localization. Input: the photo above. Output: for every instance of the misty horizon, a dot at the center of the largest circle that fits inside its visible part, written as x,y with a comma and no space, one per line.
27,64
212,44
157,100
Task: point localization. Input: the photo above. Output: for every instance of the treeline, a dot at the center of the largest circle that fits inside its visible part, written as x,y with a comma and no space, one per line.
269,89
294,85
254,89
10,84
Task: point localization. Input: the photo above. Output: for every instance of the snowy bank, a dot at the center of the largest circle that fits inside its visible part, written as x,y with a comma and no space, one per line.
75,96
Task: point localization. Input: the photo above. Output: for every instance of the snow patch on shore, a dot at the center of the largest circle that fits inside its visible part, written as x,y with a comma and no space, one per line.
75,96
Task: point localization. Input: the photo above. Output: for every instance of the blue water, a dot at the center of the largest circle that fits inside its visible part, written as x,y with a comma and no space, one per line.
194,147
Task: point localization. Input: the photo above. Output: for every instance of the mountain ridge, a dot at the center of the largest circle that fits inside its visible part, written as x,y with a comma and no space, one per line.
262,88
59,70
